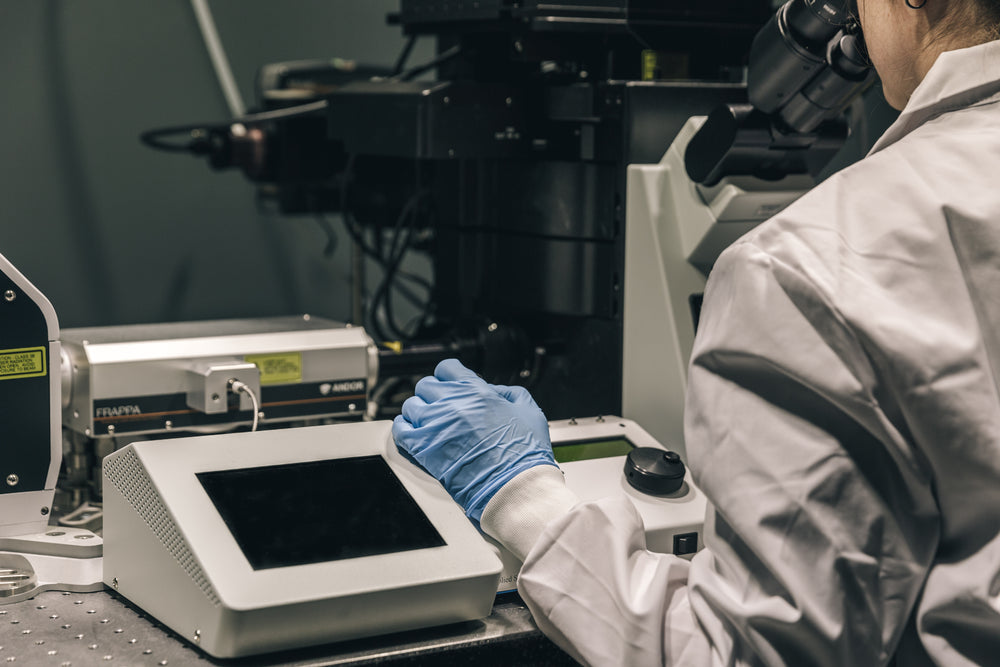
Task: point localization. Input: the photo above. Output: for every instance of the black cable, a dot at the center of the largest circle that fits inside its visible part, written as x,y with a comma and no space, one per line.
425,305
442,58
200,132
388,389
382,303
357,234
427,217
197,136
400,247
402,242
390,263
417,323
381,299
427,312
414,278
404,56
331,235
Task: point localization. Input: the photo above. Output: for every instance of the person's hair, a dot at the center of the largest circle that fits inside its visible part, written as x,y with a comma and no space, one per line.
962,23
984,18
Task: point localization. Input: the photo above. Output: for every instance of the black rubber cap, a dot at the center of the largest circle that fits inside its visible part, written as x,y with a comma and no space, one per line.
654,471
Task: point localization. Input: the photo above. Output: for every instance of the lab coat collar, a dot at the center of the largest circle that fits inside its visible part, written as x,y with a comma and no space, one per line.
957,79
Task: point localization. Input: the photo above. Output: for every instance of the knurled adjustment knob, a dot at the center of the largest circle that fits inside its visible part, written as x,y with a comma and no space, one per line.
654,471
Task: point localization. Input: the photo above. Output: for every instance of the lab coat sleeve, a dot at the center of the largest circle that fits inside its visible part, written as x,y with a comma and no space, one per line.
516,515
824,522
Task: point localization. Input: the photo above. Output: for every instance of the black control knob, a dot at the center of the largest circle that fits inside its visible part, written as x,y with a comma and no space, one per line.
654,471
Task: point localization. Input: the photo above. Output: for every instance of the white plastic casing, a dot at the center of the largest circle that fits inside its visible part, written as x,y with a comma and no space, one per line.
168,550
664,517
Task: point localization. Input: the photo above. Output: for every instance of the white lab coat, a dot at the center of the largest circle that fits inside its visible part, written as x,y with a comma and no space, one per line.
843,418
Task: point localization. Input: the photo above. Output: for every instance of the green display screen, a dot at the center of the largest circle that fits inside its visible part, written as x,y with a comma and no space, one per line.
584,450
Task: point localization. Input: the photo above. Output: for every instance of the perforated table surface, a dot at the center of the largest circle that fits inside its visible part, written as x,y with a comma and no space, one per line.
80,629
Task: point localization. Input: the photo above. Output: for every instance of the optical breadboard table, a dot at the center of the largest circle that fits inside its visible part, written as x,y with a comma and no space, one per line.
87,629
106,628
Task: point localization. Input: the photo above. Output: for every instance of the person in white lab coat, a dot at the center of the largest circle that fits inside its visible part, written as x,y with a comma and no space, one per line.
842,417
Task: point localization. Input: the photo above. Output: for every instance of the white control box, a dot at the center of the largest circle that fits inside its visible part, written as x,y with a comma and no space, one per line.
248,543
592,453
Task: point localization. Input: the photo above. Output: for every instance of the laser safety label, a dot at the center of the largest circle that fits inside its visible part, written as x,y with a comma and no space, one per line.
278,368
27,362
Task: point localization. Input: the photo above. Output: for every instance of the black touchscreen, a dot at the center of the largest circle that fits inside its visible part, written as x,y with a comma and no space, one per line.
317,511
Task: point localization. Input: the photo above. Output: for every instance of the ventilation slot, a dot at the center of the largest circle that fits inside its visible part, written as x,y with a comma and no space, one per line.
126,473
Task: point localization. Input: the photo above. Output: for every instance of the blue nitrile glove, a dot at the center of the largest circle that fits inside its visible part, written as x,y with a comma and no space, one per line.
472,436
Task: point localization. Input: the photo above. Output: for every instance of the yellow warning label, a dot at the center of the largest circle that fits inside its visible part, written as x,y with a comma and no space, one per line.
650,62
394,345
27,362
278,368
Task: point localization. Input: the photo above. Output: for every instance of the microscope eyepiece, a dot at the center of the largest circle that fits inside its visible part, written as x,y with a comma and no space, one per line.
792,52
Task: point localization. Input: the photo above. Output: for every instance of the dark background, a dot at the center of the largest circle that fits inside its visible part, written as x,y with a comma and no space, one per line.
114,232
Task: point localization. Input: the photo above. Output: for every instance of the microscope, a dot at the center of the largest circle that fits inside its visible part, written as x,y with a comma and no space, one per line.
550,175
571,173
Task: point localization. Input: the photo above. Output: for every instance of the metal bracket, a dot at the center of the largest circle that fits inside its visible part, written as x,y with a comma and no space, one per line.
62,559
209,385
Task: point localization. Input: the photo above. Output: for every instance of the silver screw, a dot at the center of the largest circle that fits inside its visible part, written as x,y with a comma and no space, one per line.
10,295
45,511
447,100
114,583
197,636
492,327
525,373
12,479
111,428
509,101
168,424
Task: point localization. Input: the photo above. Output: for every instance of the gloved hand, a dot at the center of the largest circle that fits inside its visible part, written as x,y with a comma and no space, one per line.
472,436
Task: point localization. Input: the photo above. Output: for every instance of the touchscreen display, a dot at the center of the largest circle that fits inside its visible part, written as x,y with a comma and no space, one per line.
584,450
318,511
